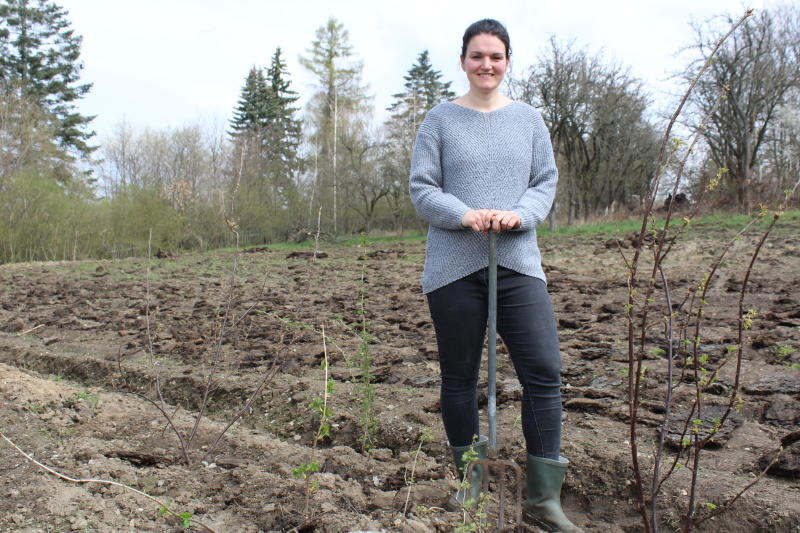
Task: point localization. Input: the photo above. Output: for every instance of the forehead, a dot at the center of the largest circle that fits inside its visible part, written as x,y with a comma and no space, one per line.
486,43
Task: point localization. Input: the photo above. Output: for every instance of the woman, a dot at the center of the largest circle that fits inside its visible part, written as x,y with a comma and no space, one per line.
485,163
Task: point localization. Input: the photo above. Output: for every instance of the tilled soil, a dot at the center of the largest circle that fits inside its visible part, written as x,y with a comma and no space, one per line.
78,389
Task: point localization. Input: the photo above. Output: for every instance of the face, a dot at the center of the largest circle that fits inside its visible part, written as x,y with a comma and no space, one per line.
485,62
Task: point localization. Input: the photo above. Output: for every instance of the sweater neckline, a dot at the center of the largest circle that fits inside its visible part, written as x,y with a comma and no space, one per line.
511,103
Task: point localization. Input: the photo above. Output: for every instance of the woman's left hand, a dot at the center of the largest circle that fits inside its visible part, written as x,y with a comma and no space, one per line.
504,220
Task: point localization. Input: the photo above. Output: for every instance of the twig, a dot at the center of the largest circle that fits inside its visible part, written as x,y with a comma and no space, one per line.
724,507
411,483
248,404
151,355
162,505
316,235
667,405
31,330
635,360
218,348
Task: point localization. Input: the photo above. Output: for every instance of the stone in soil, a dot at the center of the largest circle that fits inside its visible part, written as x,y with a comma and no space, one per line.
709,418
783,410
788,464
774,385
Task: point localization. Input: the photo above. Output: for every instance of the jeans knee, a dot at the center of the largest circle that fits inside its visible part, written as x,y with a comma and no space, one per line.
458,386
543,376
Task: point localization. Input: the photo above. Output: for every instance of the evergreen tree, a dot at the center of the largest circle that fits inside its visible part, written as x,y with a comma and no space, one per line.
265,112
267,136
423,90
283,132
40,58
251,115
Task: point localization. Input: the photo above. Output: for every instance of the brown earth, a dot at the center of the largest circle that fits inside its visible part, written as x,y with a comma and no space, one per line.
74,344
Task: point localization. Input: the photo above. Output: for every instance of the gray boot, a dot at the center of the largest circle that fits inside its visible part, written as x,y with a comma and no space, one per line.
456,501
543,504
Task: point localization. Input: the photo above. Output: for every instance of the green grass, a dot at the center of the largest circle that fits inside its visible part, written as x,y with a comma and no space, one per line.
410,238
790,220
788,224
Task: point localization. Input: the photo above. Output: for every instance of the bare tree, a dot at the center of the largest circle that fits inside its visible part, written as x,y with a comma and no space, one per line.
782,156
758,69
365,185
596,116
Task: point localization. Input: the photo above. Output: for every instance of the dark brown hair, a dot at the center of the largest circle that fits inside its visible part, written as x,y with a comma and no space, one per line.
490,26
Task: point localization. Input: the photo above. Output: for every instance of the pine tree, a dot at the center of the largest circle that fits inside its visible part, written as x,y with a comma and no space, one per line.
251,115
40,59
423,90
267,137
283,131
265,113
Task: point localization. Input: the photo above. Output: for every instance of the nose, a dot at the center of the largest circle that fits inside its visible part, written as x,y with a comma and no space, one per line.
487,63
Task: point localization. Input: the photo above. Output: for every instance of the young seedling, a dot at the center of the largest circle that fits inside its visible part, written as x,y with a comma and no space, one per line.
474,517
425,435
319,407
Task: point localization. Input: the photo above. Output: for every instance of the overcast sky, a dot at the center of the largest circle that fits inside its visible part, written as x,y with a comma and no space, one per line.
168,63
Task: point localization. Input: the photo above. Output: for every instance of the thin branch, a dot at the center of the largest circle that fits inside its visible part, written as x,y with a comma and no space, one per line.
667,405
155,500
151,356
727,505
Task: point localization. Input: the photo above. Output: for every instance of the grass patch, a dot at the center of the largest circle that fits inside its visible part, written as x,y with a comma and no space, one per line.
719,221
410,238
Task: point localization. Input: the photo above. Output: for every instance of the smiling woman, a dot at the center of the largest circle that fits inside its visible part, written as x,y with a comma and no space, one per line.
485,62
484,163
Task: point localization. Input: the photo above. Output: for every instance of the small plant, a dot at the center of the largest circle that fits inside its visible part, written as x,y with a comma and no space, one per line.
304,471
782,352
366,389
186,519
73,400
425,435
474,519
84,395
319,406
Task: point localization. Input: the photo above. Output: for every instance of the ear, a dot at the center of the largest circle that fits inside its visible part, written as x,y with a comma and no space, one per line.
461,63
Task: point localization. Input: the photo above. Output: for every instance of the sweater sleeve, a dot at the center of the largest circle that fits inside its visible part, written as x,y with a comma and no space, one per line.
438,208
534,204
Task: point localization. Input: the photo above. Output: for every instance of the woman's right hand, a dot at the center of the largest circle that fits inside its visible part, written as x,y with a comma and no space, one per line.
486,220
478,220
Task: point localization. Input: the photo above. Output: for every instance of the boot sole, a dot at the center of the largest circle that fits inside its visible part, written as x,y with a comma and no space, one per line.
539,522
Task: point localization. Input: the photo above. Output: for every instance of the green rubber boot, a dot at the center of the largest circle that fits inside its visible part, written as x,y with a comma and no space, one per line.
543,504
456,501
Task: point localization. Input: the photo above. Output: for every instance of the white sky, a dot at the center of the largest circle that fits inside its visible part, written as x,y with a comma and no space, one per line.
168,63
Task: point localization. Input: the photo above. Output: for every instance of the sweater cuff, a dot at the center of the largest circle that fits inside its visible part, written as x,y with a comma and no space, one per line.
527,221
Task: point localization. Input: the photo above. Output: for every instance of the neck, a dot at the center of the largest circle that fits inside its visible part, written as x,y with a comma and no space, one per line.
483,101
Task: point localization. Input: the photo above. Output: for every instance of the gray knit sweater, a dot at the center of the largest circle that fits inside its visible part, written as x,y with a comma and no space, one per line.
466,159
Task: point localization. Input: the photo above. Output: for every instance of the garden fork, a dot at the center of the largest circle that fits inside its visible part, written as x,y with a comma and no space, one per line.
502,466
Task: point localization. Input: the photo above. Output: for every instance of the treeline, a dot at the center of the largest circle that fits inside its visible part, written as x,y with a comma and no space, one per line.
275,172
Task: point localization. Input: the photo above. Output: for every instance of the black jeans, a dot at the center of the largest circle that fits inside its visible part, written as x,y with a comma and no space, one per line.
526,323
